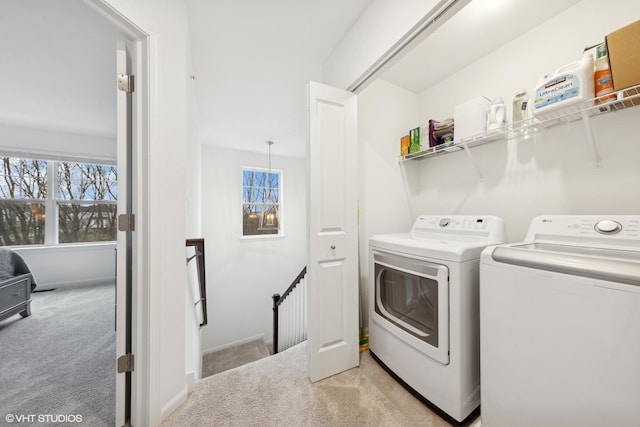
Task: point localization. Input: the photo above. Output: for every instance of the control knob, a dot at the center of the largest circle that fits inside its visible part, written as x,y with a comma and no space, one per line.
607,226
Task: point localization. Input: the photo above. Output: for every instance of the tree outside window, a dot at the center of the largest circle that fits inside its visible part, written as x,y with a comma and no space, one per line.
80,198
87,195
261,202
23,191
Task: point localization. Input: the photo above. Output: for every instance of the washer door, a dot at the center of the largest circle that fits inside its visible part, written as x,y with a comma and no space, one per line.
412,302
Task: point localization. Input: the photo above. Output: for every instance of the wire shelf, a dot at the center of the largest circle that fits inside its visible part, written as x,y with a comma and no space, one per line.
527,127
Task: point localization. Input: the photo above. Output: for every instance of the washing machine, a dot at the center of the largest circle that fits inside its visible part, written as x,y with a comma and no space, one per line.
560,325
423,309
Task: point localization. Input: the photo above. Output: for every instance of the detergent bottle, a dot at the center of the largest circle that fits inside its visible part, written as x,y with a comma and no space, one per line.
565,91
602,76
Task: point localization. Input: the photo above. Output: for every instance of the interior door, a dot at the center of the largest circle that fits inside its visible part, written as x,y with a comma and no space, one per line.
332,231
124,241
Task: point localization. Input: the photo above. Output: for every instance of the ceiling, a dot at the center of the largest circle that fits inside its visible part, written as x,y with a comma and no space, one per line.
58,67
475,31
252,60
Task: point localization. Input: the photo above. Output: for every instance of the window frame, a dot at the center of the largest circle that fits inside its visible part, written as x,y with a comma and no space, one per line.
52,201
280,234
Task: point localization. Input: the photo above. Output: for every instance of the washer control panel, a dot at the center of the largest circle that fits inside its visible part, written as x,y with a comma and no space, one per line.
477,226
573,228
453,223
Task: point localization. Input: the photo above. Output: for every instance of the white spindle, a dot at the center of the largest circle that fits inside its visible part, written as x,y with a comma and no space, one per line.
292,317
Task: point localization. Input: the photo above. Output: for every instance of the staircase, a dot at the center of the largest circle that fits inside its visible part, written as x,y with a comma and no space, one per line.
222,360
290,314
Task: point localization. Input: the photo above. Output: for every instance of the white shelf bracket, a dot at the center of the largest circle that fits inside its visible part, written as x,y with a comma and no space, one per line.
466,149
594,148
406,189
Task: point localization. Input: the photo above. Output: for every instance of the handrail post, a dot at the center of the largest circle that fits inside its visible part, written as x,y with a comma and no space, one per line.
276,298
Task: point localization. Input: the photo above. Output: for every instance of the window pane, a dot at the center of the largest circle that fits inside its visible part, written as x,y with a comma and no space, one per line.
86,222
261,202
256,217
23,178
84,181
21,223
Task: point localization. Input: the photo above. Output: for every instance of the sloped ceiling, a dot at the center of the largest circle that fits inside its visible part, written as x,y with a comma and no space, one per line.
58,67
475,31
252,60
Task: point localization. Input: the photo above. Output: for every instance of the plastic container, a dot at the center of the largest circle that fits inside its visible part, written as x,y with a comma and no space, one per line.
447,140
602,76
497,115
565,91
519,112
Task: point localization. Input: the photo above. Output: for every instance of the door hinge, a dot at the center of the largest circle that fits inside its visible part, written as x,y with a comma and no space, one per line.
126,83
126,222
125,363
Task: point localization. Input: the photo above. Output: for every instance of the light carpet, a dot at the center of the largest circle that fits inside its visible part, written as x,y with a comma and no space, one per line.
276,391
229,358
61,359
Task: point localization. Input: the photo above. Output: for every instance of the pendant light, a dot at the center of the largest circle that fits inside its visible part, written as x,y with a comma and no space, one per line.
269,220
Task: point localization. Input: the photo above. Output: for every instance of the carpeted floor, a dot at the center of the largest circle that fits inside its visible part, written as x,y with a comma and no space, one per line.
229,358
275,391
60,360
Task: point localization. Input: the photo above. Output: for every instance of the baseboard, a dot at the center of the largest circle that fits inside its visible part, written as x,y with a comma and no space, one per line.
75,284
191,381
174,403
235,343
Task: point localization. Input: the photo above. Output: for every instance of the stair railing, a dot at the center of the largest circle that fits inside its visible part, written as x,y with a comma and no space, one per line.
290,319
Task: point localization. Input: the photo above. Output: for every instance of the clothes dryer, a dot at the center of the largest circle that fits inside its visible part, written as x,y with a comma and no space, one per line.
424,315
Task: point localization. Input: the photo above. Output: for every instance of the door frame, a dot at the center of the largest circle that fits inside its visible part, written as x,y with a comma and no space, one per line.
145,400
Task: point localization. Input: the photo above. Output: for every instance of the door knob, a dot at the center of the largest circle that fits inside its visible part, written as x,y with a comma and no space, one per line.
333,246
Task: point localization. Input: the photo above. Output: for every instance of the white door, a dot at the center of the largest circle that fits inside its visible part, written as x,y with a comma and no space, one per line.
332,264
123,254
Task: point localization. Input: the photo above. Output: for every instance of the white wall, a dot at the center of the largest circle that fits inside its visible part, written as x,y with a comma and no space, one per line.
385,112
243,274
70,265
194,316
554,172
193,346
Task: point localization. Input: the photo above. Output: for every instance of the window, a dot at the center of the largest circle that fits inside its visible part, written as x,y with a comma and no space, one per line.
261,202
23,190
50,202
86,201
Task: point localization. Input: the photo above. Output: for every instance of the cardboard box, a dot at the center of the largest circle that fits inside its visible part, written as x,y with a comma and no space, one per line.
623,47
470,118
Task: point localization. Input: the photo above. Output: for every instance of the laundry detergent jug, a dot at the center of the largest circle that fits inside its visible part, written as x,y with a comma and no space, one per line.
566,91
